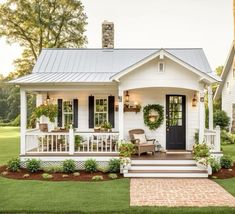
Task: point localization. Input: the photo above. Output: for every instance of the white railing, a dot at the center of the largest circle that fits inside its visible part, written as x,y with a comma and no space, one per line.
71,142
95,142
212,139
47,142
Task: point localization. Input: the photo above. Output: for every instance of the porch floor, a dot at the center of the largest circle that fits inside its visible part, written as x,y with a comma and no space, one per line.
163,156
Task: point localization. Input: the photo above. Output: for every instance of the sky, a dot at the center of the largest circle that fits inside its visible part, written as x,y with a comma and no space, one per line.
206,24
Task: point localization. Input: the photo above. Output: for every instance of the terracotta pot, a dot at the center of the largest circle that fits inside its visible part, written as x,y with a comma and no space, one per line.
43,127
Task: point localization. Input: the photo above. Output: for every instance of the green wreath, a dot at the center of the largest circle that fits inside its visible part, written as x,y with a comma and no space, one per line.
153,121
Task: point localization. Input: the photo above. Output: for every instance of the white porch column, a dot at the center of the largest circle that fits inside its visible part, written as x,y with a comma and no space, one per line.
217,140
210,107
71,141
39,101
23,121
201,116
120,113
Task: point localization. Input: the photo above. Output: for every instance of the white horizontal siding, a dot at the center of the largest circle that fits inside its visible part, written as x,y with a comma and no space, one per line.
228,94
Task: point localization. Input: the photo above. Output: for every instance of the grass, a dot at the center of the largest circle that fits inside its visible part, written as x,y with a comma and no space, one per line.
9,143
229,150
228,184
78,197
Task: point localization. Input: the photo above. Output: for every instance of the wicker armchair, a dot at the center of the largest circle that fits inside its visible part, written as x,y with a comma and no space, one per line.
142,147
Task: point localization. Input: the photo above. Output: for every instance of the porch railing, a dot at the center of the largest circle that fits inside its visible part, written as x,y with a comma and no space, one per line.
71,142
212,139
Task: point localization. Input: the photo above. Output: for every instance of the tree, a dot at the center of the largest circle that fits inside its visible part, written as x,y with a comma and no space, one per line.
38,24
34,25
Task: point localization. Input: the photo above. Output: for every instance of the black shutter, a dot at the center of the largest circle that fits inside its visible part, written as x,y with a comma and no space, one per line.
91,103
111,103
60,112
75,113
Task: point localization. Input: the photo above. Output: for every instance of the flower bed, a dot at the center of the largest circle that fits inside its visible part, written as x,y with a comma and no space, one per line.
58,176
224,173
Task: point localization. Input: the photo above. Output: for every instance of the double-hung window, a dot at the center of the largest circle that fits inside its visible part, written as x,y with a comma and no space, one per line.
101,111
67,113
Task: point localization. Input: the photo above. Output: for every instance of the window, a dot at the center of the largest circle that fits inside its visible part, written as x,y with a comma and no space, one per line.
67,113
161,66
227,85
233,72
101,111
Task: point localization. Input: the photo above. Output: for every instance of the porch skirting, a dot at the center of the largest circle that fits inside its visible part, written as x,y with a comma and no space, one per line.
47,161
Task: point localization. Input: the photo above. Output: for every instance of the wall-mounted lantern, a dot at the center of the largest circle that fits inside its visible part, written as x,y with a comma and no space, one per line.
127,96
194,100
48,98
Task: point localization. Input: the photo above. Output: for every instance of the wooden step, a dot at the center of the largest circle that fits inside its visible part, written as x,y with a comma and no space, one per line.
166,175
168,171
155,164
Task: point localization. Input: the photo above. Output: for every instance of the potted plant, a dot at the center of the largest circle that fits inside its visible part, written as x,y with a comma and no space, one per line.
106,126
126,149
201,153
49,111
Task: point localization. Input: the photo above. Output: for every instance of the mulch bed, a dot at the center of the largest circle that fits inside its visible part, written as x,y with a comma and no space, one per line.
84,176
224,173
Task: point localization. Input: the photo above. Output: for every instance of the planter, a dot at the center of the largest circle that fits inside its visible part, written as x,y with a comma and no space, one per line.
43,127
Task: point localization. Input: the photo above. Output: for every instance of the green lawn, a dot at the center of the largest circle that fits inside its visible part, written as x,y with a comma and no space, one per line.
9,143
230,150
80,197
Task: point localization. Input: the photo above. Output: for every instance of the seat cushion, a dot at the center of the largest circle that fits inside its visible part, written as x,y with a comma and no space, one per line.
140,137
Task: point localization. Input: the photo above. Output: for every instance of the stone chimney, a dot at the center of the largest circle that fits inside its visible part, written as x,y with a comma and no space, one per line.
107,34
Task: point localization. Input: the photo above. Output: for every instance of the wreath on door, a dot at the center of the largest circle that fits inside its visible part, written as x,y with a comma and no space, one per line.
153,116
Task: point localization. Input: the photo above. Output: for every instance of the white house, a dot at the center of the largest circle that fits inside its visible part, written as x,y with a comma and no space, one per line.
226,89
96,83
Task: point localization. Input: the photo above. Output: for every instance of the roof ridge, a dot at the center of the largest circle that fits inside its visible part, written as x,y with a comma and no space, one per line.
107,49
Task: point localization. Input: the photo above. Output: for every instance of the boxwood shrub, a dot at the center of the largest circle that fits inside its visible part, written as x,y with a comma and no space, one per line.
13,165
114,165
90,165
226,162
69,166
33,165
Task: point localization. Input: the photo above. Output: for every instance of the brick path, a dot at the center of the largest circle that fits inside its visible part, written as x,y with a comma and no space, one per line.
178,192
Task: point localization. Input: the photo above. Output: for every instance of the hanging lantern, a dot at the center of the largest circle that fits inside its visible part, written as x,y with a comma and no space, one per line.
48,98
127,97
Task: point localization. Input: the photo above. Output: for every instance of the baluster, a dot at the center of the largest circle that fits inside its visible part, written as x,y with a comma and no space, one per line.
56,143
111,140
47,142
106,143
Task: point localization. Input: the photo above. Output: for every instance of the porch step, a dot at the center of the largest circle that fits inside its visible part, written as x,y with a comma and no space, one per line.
163,162
165,175
165,169
178,152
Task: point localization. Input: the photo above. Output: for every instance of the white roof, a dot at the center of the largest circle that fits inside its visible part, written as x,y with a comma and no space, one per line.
99,65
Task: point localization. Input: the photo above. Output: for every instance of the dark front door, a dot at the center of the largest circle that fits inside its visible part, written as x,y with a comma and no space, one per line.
175,122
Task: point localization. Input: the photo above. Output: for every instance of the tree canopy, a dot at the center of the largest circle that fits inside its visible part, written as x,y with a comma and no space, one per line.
38,24
34,25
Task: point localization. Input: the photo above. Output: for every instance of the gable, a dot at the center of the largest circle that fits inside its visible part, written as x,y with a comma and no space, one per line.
162,54
148,76
225,73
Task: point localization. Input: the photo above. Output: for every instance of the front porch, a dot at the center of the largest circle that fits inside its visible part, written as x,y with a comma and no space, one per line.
85,141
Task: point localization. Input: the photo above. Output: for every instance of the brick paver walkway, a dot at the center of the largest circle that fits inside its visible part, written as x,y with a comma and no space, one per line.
178,192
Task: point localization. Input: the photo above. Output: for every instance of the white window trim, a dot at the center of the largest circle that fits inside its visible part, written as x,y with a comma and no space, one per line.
107,112
68,113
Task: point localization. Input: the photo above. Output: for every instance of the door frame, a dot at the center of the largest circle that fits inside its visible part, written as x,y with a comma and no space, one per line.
184,118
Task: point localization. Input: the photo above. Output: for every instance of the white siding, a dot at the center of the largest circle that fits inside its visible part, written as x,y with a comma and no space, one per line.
158,96
82,97
228,94
174,76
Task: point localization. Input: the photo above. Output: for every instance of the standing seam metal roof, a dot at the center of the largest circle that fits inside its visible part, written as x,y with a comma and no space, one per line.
98,65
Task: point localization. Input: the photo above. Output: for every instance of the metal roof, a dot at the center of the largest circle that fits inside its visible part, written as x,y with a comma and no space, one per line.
98,65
